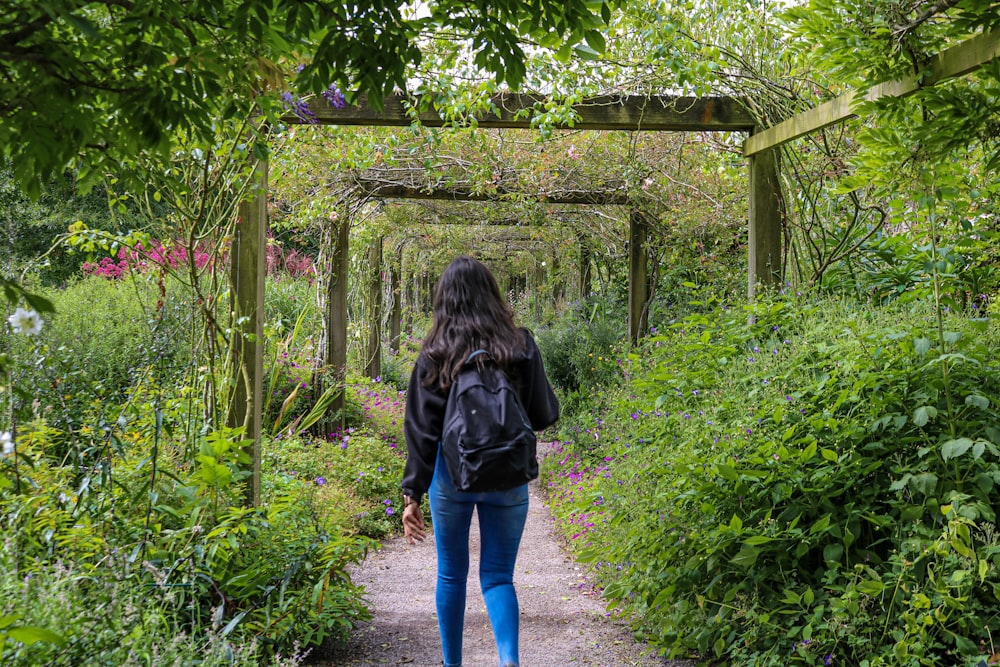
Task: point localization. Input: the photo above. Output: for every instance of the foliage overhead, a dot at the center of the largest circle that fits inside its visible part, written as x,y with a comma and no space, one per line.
96,83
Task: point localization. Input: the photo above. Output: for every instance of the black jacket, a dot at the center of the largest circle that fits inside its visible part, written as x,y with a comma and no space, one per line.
424,419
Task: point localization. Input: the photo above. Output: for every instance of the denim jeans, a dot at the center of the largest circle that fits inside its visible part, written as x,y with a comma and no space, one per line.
501,521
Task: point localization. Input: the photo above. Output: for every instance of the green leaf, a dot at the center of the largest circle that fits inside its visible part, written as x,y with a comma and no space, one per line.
728,472
596,41
231,625
83,25
829,455
924,414
808,452
870,587
924,483
736,523
832,553
978,448
757,540
39,303
922,346
955,448
585,52
977,400
28,635
820,525
791,597
10,619
746,557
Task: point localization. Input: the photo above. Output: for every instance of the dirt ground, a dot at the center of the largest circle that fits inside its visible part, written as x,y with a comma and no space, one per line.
563,623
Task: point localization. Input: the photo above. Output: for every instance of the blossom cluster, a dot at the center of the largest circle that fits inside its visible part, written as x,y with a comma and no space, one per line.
142,259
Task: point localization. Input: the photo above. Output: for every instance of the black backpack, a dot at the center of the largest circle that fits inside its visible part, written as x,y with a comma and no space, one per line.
488,442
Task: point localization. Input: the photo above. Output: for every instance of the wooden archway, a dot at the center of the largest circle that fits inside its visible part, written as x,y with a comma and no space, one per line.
632,113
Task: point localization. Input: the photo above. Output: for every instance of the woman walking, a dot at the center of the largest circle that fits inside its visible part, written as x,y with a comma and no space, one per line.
470,315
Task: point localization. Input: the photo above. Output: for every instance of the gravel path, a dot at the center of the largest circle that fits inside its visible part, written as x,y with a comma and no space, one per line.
563,623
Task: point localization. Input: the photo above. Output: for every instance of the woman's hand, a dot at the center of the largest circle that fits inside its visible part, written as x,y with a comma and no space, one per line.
413,523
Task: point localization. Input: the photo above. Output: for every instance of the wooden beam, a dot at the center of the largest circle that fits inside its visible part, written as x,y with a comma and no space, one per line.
385,191
515,110
247,270
956,61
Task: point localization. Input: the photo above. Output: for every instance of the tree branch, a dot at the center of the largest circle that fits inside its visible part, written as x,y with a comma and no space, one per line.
924,16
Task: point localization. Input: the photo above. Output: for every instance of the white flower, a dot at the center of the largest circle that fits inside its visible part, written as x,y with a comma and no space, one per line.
6,443
26,322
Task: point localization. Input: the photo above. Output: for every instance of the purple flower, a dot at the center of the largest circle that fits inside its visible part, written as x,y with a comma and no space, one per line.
334,97
321,481
388,511
828,659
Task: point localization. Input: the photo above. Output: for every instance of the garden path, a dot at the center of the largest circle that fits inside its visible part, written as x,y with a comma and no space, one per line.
563,621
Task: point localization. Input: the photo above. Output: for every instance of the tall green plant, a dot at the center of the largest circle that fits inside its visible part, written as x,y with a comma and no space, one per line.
815,488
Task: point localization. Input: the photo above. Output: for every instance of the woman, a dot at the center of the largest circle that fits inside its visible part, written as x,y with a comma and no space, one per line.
469,314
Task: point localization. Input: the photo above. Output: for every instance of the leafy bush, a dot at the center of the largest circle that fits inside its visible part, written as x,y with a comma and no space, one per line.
581,351
104,338
275,576
814,487
355,472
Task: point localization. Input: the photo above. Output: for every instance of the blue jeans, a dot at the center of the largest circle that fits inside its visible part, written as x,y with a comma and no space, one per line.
501,521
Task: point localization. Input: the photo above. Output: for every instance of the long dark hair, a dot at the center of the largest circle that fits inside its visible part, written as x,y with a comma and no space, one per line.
469,314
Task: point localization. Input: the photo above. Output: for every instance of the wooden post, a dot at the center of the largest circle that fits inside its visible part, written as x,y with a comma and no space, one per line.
374,366
536,292
335,355
248,266
397,302
411,302
637,276
585,279
558,282
424,299
764,262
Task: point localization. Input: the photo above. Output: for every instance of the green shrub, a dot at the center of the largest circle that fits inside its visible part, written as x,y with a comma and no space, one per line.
103,339
150,519
815,487
581,351
358,469
59,615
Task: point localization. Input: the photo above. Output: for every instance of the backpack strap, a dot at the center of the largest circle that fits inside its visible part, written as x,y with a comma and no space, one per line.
476,354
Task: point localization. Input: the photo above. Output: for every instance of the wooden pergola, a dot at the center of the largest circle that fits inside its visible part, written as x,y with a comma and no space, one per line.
631,113
657,113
